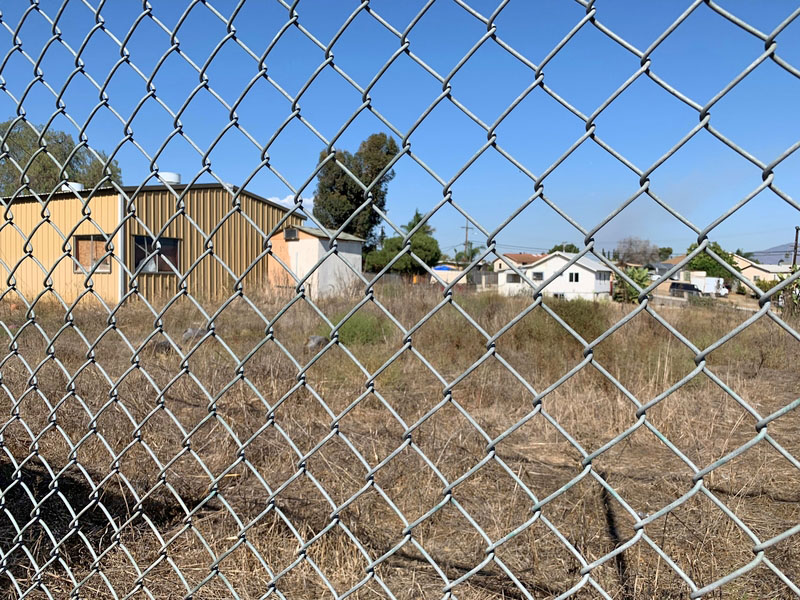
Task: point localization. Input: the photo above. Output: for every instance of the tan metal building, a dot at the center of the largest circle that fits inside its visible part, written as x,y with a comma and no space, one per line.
210,236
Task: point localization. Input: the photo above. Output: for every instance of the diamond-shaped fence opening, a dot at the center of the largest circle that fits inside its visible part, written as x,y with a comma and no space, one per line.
239,371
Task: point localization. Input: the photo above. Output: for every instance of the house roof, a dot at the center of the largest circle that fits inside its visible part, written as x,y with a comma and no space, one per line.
128,189
345,237
772,268
523,258
766,268
675,260
587,263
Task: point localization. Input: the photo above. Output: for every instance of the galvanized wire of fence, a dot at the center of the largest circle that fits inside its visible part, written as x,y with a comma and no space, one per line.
16,547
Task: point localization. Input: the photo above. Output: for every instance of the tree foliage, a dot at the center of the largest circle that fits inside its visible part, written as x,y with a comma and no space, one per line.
45,170
664,253
415,220
468,256
704,262
423,245
624,291
564,247
638,251
338,196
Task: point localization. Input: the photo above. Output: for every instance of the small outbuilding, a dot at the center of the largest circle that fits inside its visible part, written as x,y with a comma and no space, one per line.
302,248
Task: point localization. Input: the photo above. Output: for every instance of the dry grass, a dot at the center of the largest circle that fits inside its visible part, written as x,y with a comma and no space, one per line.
164,474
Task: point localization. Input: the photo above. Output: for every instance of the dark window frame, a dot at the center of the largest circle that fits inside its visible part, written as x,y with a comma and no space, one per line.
146,245
103,266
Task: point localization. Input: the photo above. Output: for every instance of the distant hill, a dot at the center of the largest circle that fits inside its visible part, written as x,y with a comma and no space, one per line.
771,256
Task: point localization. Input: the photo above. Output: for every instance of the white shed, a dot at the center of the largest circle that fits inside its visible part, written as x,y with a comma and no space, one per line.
301,248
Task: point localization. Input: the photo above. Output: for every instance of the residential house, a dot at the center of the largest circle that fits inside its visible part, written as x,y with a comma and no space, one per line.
302,248
658,270
756,272
587,278
151,241
516,259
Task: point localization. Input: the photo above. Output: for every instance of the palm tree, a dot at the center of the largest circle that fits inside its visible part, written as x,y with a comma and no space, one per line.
415,220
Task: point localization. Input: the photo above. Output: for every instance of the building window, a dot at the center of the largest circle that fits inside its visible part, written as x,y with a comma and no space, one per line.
603,276
512,278
573,277
166,261
756,277
537,276
687,276
89,251
559,295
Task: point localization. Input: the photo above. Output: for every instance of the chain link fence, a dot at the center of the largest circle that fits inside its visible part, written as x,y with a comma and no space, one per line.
434,443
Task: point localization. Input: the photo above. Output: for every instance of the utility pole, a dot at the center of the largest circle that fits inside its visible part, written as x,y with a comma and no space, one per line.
466,229
794,258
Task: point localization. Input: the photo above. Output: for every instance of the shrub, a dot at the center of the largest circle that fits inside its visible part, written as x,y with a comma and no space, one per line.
361,328
765,285
589,319
704,301
624,292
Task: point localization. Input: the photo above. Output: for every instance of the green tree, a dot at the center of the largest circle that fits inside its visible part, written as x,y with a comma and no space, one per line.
423,245
415,220
338,196
704,262
564,247
664,253
20,144
468,256
624,291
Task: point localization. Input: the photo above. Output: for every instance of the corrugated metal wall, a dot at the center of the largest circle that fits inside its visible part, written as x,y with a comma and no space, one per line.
236,242
47,246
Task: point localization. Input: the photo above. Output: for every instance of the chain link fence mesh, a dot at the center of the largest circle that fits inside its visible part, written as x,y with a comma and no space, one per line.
236,462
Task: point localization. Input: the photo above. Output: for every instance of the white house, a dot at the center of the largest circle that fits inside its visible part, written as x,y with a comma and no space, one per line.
587,278
301,248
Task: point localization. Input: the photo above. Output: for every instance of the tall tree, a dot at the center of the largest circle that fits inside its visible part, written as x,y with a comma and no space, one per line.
636,250
664,253
415,220
704,262
338,196
564,247
20,142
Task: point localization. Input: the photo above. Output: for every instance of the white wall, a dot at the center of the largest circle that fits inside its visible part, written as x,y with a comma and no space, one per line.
586,287
499,264
332,276
304,254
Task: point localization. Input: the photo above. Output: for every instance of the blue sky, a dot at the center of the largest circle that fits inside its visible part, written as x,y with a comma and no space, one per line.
706,52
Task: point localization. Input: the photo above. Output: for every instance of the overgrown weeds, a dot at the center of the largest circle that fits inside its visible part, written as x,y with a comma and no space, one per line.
239,474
